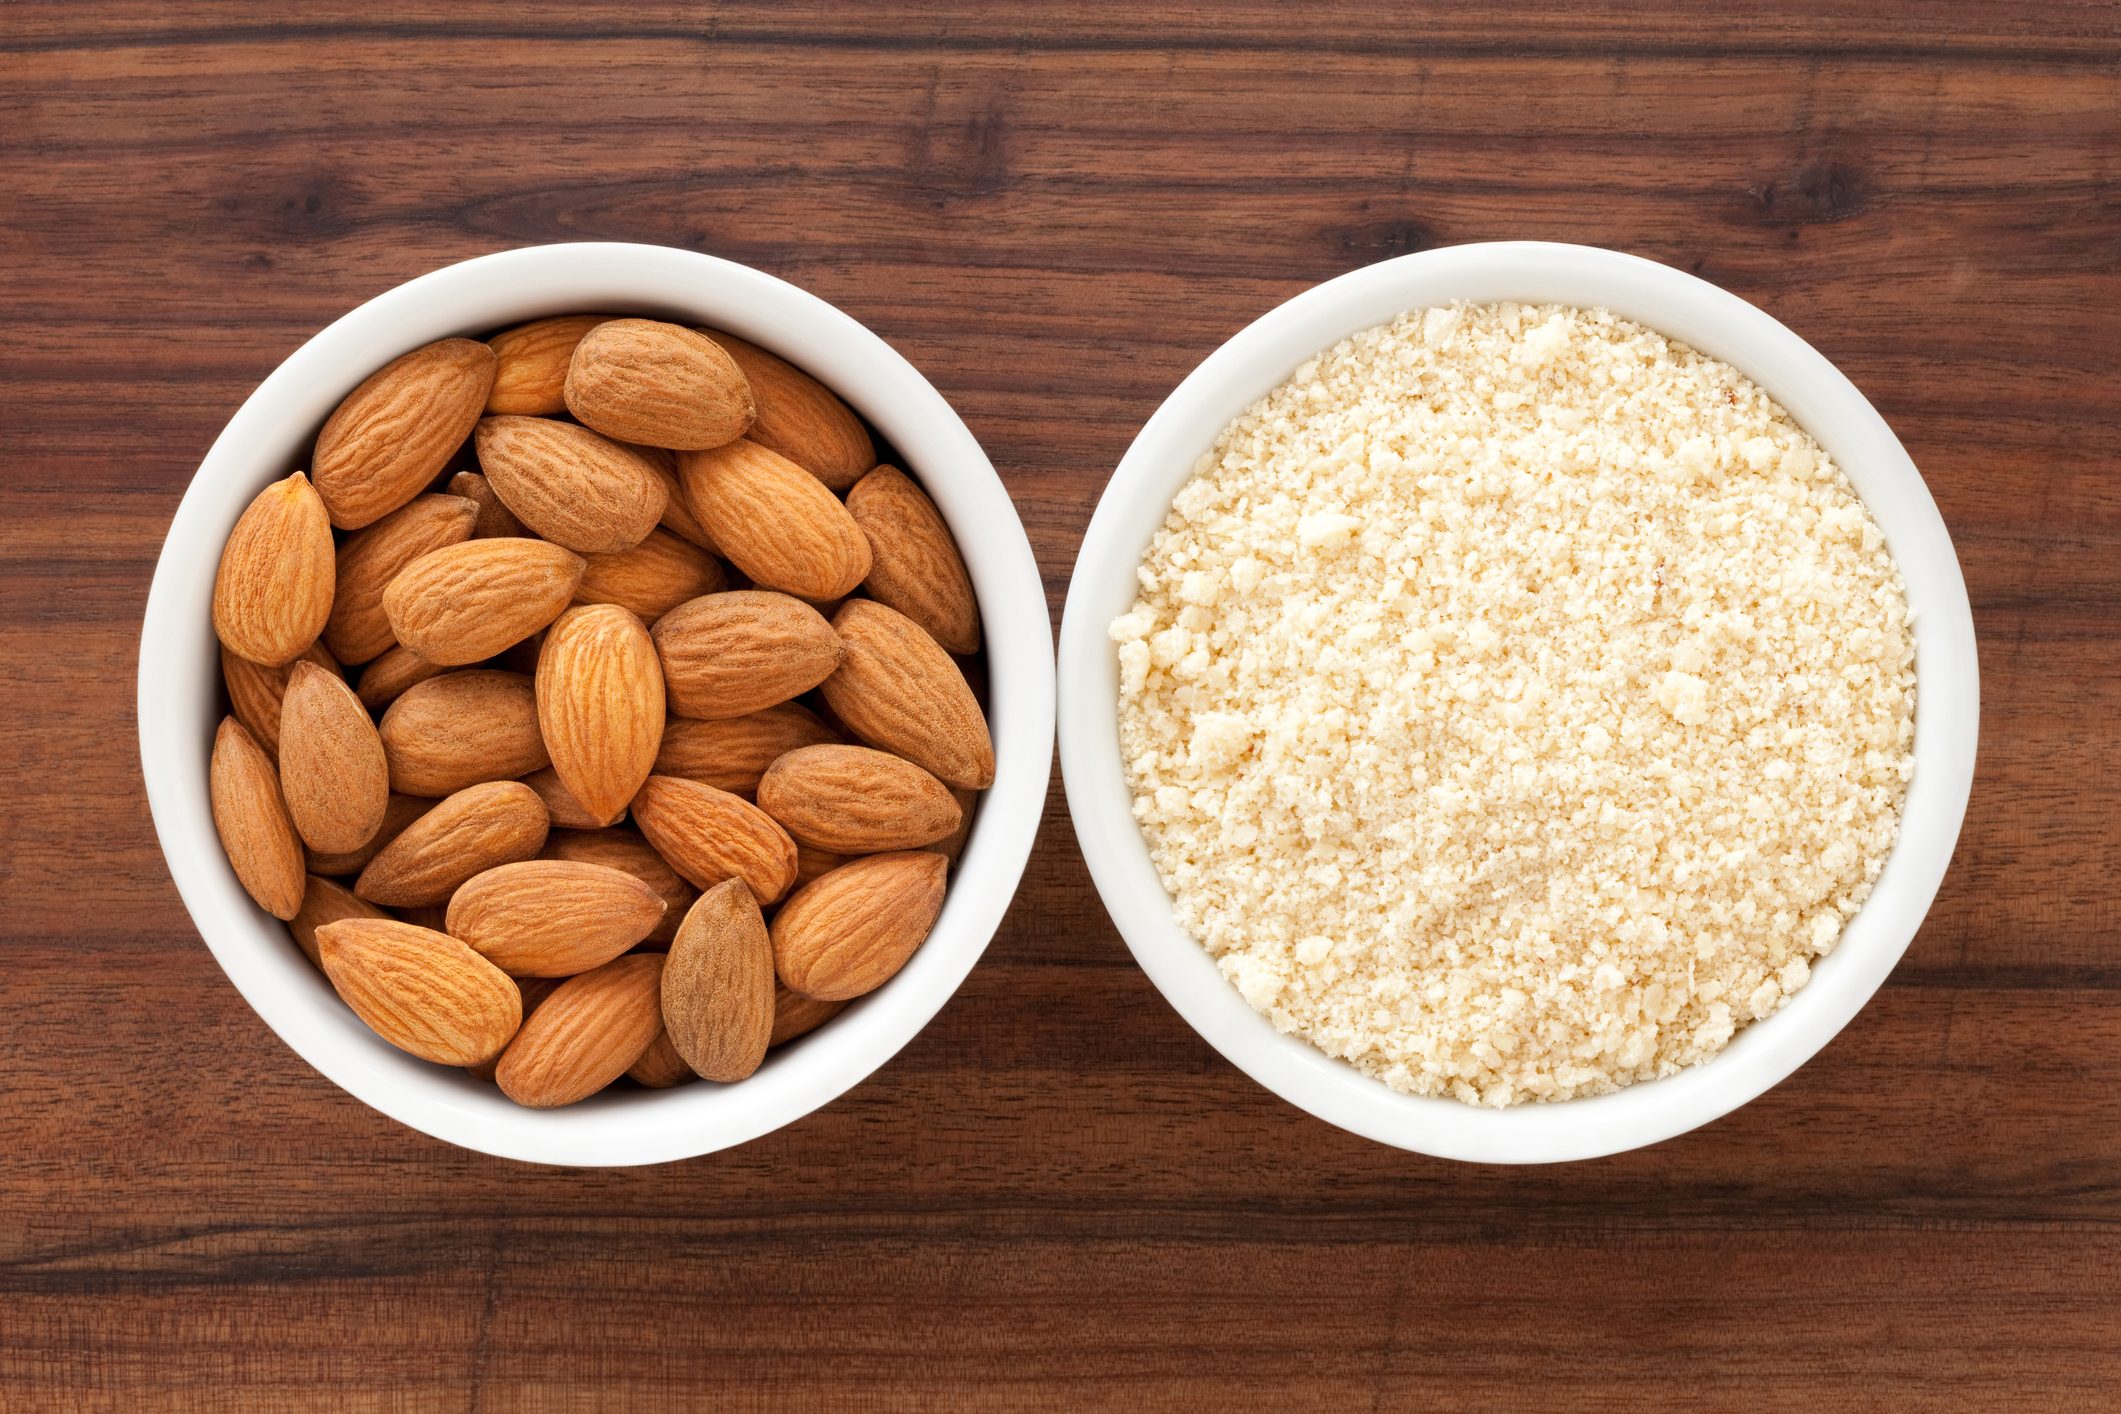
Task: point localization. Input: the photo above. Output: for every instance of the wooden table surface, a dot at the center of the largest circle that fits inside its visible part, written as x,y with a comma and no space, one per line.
1058,1196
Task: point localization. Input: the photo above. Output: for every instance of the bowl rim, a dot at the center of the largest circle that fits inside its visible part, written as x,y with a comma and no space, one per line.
179,678
1682,306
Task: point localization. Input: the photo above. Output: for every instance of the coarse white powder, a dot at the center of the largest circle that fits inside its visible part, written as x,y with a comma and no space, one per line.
1516,703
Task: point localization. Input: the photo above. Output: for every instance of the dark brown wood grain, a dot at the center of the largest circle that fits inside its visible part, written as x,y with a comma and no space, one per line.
1058,1196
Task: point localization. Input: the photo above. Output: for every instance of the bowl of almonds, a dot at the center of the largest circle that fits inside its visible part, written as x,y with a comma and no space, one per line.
596,703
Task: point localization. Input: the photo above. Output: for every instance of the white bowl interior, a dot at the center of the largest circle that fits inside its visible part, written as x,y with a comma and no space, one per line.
180,694
1719,323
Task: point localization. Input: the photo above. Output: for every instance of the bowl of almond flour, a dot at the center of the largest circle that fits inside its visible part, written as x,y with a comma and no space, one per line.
1517,701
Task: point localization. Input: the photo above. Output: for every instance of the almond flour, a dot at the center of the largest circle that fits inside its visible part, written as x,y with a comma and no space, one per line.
1517,703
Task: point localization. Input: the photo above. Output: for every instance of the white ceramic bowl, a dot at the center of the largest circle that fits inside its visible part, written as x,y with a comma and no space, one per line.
180,694
1677,304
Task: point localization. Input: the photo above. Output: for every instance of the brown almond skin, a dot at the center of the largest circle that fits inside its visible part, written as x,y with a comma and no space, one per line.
709,835
394,434
389,677
535,990
600,706
731,654
653,577
332,772
733,752
326,901
914,564
398,812
531,363
567,813
799,417
812,863
470,832
626,850
954,845
358,629
585,1034
422,991
461,728
775,521
494,519
678,518
850,932
718,985
468,602
797,1015
272,592
552,918
255,692
856,800
897,690
569,485
251,818
660,1066
641,380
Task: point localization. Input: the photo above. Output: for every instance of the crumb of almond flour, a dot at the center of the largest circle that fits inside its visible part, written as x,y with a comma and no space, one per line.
1517,703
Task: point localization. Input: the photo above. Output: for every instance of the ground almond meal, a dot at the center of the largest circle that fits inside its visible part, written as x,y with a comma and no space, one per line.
1517,701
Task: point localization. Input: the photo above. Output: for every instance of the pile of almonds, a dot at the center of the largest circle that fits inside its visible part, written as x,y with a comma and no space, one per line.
658,754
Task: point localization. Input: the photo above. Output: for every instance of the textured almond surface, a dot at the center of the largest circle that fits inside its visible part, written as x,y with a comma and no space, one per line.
585,1034
709,835
897,689
398,812
332,772
775,521
552,918
660,1066
653,577
395,433
678,518
600,706
569,485
272,592
535,990
856,800
814,863
461,728
467,602
255,692
531,363
849,932
914,564
718,985
567,813
642,380
358,629
494,517
386,679
472,831
726,655
954,844
800,417
797,1015
627,850
326,901
252,821
422,991
732,753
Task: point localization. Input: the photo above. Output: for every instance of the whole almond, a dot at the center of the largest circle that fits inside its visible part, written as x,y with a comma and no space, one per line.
709,835
400,811
914,562
660,1066
600,706
852,930
532,363
642,380
550,918
856,800
535,990
678,518
466,602
422,991
623,849
730,654
494,517
653,577
718,985
251,818
797,1015
896,689
812,863
332,772
775,521
461,728
255,692
567,813
272,593
326,901
394,434
585,1034
386,679
472,831
570,485
799,417
358,630
732,753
